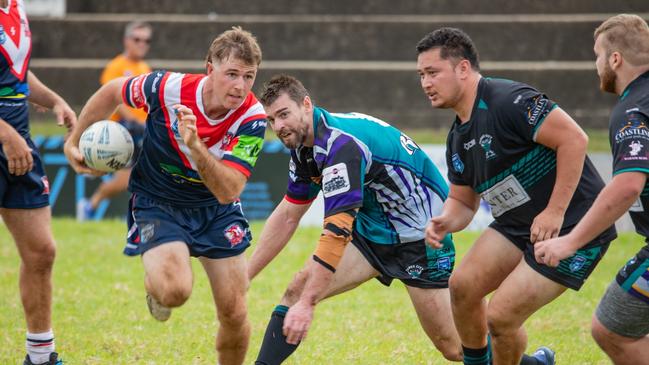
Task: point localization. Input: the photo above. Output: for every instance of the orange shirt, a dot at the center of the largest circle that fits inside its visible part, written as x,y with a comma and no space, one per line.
121,66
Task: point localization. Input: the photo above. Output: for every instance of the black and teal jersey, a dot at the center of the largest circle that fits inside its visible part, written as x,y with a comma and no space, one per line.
495,153
359,161
629,138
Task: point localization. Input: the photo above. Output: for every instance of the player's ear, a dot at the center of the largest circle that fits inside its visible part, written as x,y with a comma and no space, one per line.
615,60
307,103
209,67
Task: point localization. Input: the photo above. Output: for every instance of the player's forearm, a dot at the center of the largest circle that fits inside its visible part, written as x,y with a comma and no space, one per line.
611,203
223,181
277,231
125,113
41,94
6,130
459,213
570,163
317,283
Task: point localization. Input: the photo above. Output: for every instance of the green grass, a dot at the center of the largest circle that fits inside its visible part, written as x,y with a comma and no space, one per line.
598,137
100,315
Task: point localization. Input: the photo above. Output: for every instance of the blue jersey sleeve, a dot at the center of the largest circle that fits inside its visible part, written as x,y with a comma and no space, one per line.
244,148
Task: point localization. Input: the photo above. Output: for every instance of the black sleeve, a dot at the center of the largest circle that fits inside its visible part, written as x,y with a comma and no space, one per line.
630,142
454,162
523,110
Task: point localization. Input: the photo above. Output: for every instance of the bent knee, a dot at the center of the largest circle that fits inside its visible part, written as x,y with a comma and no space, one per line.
451,350
500,322
175,295
462,288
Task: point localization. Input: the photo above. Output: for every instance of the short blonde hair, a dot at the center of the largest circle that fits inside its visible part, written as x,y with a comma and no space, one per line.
627,34
237,43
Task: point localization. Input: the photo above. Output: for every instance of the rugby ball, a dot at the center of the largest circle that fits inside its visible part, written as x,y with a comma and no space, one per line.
106,146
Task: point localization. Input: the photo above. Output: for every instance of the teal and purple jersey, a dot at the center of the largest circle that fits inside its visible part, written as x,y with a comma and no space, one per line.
359,161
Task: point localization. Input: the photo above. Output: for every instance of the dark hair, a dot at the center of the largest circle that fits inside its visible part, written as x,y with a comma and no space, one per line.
279,84
453,43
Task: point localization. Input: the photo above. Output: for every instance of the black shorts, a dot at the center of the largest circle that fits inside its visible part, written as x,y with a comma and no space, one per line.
414,263
572,271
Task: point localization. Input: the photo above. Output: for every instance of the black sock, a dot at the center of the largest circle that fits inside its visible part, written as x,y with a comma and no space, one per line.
529,360
274,349
476,356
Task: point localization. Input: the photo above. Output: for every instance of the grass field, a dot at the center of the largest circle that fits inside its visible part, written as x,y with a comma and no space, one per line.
100,315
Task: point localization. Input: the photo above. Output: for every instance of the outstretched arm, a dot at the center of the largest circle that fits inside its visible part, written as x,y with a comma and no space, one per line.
277,231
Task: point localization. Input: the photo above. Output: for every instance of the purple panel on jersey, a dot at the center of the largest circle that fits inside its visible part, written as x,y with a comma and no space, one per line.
339,203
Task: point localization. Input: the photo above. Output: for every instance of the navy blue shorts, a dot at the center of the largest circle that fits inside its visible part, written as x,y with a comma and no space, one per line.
214,232
28,191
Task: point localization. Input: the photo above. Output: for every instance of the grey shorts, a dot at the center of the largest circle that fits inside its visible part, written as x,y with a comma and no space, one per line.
622,313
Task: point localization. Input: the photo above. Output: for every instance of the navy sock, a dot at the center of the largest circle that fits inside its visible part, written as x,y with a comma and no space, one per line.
529,360
274,349
476,356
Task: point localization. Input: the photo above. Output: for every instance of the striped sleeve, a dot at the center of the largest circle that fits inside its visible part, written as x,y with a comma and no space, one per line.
142,91
244,149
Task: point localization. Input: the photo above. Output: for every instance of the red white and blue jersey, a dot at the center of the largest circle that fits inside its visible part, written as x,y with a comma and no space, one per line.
16,47
165,170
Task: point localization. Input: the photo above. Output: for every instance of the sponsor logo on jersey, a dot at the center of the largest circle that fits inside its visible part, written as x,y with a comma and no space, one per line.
335,180
235,234
259,123
414,271
468,145
636,147
3,35
408,144
537,109
458,165
577,263
291,170
634,127
506,195
485,143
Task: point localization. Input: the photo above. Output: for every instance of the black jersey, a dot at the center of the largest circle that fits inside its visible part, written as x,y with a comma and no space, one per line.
495,153
629,137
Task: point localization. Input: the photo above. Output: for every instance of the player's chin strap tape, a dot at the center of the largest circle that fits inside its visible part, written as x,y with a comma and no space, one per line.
338,233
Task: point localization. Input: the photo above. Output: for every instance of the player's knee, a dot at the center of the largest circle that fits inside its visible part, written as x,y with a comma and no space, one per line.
601,335
41,260
500,323
460,287
451,350
234,318
175,294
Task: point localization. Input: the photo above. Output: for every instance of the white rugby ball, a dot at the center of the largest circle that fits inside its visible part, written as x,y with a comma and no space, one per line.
106,146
